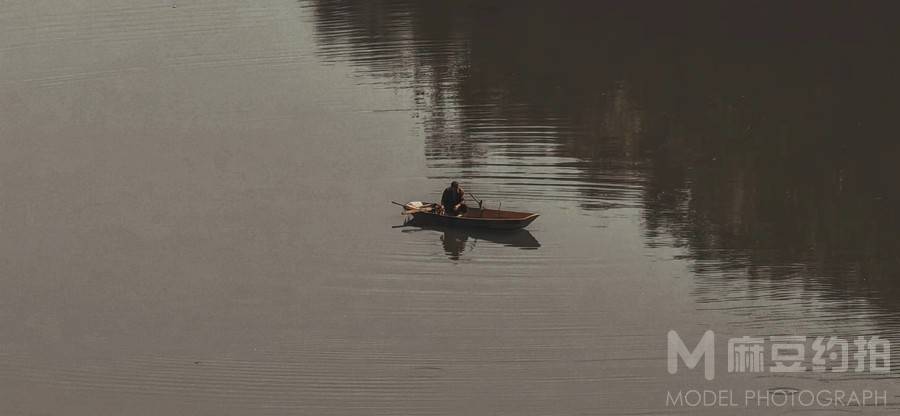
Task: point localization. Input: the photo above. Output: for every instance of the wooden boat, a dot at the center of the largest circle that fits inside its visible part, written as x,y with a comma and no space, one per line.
426,214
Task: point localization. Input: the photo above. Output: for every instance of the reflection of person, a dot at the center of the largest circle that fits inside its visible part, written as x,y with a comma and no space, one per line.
454,243
452,200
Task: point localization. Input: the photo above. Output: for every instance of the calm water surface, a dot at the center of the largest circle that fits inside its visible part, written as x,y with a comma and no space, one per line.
195,209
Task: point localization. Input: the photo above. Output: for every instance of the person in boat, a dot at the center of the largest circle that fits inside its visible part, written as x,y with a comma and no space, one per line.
452,200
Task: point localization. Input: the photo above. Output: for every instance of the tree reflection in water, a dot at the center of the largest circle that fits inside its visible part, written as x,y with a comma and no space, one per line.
768,150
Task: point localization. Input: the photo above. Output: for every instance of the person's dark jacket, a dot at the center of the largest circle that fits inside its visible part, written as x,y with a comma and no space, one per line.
451,197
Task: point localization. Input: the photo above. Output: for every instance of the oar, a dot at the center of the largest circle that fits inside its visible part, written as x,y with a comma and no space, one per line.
474,198
480,203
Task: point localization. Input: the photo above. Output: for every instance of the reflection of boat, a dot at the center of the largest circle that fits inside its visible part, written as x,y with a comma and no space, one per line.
513,238
454,240
473,218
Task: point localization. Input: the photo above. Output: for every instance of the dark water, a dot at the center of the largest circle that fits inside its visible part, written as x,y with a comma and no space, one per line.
196,213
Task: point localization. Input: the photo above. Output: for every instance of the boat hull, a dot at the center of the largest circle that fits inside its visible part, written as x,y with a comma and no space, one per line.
428,218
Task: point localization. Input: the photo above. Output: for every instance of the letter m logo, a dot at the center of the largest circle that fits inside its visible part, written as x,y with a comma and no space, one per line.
705,349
